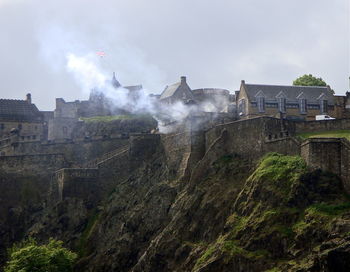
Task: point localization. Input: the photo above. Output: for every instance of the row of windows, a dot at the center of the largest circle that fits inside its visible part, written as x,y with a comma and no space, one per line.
33,137
282,105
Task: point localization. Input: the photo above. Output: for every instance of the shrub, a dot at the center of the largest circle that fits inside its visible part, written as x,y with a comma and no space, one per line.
29,256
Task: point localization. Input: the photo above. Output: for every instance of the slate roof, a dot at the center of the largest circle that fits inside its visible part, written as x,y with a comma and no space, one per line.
133,88
170,90
18,110
292,93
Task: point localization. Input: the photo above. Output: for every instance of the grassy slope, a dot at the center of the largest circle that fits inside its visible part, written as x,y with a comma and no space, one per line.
253,234
326,134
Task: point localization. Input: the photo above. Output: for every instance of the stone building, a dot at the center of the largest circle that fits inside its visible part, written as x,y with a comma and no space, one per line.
294,102
207,99
67,114
21,118
342,106
176,92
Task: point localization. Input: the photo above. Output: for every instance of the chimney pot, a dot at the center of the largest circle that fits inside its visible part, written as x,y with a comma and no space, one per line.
29,98
183,79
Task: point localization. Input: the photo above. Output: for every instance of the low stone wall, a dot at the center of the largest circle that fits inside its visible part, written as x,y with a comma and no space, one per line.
324,125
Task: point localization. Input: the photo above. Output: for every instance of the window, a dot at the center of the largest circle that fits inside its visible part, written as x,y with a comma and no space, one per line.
261,104
2,126
302,105
282,104
323,106
64,129
34,137
19,126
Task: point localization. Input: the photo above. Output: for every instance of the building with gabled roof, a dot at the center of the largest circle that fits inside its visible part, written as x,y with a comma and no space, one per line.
21,117
293,102
179,91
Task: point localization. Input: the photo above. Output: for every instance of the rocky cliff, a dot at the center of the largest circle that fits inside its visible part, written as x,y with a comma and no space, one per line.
229,214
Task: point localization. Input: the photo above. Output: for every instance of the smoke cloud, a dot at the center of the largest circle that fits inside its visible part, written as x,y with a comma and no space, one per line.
90,76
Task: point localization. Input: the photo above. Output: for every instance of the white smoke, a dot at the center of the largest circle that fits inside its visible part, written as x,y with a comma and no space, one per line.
89,76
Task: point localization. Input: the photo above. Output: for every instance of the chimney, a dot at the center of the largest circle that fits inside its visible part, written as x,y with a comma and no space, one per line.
29,98
242,82
183,79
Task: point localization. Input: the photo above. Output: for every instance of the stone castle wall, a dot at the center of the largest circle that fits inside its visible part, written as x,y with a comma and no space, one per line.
77,152
325,125
330,154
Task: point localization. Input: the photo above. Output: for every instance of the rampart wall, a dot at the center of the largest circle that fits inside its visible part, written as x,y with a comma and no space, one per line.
324,125
330,154
77,152
252,138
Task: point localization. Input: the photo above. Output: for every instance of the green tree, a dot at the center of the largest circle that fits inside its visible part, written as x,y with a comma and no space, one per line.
309,80
29,256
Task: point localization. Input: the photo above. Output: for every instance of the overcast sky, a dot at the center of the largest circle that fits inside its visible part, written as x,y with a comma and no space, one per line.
154,42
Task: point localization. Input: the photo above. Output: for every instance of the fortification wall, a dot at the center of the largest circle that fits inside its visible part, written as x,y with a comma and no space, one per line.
252,138
324,125
78,183
77,152
330,154
177,149
40,164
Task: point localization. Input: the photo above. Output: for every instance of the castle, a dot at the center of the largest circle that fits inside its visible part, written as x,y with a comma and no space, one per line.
267,118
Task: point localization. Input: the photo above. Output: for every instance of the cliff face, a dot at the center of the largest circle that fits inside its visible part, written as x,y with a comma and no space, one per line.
228,214
276,216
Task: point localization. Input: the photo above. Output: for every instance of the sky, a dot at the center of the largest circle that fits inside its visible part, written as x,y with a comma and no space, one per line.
154,42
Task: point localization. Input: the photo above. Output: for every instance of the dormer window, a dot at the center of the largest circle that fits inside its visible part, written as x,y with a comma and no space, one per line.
261,104
260,98
282,104
302,105
323,106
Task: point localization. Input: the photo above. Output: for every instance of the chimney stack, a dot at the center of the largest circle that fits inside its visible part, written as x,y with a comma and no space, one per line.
29,98
183,79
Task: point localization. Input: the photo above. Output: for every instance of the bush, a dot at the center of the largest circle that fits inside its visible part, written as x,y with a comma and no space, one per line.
28,256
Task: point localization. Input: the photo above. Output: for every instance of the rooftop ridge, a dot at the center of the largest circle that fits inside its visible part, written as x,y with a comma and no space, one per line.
297,86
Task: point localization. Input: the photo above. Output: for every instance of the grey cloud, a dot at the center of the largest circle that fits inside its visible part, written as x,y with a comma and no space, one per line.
214,43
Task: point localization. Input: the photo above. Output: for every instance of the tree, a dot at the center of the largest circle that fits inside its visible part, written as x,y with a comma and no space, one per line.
309,80
28,256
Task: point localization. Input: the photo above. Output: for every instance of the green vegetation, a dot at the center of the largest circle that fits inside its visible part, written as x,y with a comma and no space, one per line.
309,80
330,209
96,119
279,172
29,256
277,167
326,134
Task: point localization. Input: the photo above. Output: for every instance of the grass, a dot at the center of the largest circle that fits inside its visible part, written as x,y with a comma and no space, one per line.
96,119
332,210
326,134
279,172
